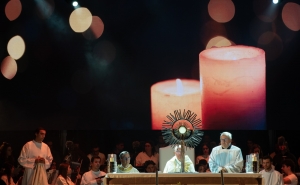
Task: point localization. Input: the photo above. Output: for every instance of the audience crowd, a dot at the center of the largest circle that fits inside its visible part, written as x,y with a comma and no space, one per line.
75,166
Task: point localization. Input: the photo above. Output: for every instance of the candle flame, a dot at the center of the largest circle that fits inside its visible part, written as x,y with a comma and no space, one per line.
179,86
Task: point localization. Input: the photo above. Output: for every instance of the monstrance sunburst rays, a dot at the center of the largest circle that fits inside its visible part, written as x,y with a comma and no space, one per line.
182,126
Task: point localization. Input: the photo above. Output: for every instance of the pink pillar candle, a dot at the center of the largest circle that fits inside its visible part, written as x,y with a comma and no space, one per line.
233,89
168,96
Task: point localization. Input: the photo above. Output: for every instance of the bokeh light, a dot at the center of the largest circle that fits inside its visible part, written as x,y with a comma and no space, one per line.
221,10
16,47
80,19
13,9
45,8
104,52
218,41
9,67
95,30
265,10
272,44
291,16
212,29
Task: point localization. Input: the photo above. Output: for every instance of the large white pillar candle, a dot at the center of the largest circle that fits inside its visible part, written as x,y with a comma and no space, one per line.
233,88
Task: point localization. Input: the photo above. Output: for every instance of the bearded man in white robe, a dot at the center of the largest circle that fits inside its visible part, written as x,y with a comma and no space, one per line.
226,157
174,164
35,157
271,176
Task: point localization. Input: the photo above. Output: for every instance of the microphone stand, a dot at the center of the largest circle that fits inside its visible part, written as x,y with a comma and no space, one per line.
222,178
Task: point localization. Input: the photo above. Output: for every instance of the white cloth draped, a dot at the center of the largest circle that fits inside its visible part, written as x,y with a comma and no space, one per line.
39,176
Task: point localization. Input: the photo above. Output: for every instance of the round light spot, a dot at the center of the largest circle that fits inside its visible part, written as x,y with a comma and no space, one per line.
104,52
271,43
95,30
218,41
9,67
265,10
291,16
13,9
45,8
182,130
80,19
221,10
212,29
16,47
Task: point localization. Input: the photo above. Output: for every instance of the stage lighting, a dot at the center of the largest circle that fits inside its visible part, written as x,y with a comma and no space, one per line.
75,3
275,1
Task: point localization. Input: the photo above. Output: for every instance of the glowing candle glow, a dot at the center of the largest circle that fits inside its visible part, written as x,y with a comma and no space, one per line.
168,96
233,88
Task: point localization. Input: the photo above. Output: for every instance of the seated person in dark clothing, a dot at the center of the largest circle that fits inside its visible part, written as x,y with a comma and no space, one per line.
282,154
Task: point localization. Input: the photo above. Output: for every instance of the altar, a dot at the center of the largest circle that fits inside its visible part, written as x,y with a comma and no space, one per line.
183,179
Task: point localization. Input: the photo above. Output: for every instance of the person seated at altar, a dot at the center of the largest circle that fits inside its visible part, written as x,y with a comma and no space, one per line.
226,157
125,166
202,166
149,166
174,164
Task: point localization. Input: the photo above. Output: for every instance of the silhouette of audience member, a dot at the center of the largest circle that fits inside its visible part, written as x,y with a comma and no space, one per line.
148,153
283,154
204,155
6,154
6,173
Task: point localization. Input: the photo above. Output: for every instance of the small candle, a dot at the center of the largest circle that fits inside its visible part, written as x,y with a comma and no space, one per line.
170,95
233,88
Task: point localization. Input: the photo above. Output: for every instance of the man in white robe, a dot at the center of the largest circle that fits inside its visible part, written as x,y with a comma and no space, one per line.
125,166
174,164
271,176
226,157
34,152
94,176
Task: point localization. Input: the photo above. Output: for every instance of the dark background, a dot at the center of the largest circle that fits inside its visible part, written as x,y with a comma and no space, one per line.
59,85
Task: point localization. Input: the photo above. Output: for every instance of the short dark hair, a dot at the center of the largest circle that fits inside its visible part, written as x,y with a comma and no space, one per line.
267,157
95,157
202,162
38,130
290,163
148,163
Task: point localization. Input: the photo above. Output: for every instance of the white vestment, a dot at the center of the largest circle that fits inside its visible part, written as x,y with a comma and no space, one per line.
89,178
293,178
62,181
231,159
129,169
142,157
30,151
272,177
174,165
